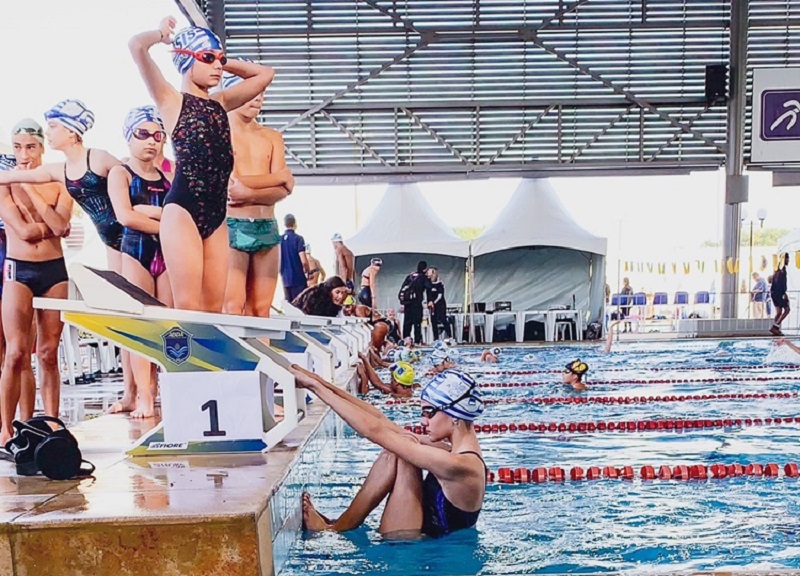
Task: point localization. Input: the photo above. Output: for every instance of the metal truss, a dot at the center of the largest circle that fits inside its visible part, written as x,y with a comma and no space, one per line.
381,90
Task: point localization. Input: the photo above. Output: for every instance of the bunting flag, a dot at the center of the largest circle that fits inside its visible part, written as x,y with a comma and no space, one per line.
797,259
674,267
716,266
687,267
650,266
662,268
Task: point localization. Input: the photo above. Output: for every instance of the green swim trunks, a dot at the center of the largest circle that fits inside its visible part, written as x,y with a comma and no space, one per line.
253,235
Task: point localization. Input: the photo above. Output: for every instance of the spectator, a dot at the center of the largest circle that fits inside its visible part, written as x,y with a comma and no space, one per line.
627,293
326,299
410,296
437,303
294,264
758,296
779,297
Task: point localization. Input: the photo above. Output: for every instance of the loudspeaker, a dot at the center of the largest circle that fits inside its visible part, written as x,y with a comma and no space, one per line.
716,82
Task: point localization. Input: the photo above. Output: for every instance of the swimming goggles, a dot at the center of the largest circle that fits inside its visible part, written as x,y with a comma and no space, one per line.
205,56
142,134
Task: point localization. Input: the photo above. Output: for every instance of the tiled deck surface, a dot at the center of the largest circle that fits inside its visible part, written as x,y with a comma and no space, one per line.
192,515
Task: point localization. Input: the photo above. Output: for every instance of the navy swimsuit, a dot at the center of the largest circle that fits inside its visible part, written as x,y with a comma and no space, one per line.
90,191
204,155
439,515
143,247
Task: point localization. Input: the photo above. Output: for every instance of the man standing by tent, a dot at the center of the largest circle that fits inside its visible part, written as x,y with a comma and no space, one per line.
410,296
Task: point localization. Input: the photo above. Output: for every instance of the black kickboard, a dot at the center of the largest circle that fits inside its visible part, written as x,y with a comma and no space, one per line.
131,290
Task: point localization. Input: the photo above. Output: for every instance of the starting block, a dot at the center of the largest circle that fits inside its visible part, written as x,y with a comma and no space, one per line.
223,378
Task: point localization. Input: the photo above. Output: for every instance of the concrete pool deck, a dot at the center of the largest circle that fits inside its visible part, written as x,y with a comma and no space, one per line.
169,516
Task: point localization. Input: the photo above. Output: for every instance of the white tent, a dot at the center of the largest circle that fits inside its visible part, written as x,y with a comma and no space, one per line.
403,230
536,256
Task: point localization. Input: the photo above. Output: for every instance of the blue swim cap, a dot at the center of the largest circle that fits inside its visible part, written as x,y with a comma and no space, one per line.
438,356
229,80
195,39
7,162
456,393
73,115
139,116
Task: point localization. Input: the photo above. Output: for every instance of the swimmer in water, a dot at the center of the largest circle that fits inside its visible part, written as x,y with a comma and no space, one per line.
440,361
490,356
400,384
573,373
449,497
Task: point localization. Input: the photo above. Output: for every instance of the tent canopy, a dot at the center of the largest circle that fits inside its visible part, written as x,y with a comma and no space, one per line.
404,222
536,217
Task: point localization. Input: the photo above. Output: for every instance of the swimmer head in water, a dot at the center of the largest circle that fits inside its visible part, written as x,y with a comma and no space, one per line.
573,373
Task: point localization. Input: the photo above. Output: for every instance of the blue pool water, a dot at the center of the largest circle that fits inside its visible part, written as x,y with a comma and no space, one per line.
606,525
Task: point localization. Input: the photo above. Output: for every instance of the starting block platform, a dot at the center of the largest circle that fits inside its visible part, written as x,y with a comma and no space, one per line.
213,514
225,380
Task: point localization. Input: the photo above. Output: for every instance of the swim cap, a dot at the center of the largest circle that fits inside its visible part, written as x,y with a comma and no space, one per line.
456,393
349,301
577,367
391,355
7,162
403,373
438,356
376,262
496,351
416,355
230,80
336,237
73,115
31,127
139,116
439,345
405,355
195,39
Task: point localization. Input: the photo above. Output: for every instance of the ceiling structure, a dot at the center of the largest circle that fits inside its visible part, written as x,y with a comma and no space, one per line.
393,90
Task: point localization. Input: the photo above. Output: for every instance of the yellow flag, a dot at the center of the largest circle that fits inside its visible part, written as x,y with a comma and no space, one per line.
797,259
674,267
774,261
730,265
662,268
687,267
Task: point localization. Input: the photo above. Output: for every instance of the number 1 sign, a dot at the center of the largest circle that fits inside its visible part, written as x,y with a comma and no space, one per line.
212,406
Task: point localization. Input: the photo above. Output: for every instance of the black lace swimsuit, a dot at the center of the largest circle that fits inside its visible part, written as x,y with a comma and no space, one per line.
204,155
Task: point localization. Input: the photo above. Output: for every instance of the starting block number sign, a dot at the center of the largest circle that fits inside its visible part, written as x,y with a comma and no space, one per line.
211,406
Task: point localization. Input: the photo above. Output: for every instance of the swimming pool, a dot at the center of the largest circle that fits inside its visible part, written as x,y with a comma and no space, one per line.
750,523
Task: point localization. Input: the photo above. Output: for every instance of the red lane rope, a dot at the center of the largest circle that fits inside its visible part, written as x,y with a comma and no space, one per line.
697,472
548,400
668,425
644,382
654,369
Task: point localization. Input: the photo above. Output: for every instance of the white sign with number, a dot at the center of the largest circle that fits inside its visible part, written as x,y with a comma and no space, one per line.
211,406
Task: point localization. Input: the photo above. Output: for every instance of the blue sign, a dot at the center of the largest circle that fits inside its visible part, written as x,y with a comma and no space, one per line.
177,345
780,115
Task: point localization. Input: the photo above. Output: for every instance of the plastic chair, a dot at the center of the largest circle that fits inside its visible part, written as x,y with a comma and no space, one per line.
616,299
639,299
659,299
702,298
681,298
562,327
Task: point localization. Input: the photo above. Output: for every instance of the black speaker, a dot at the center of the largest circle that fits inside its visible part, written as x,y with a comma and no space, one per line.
716,82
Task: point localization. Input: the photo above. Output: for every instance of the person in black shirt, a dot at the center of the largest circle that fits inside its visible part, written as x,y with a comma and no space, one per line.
411,295
437,303
778,293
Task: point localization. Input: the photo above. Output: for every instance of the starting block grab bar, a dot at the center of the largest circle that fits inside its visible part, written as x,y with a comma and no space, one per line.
213,365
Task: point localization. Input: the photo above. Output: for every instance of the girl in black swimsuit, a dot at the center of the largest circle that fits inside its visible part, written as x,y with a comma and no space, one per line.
451,495
194,237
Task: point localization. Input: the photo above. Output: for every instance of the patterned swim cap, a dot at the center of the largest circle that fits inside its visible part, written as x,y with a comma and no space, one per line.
439,355
139,116
229,80
496,351
195,39
73,115
7,162
403,373
456,393
577,367
405,354
31,127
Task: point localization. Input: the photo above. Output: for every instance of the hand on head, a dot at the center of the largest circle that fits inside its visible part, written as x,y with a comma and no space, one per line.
167,28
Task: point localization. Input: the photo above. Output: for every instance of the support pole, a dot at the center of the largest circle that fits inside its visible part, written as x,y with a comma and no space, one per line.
736,185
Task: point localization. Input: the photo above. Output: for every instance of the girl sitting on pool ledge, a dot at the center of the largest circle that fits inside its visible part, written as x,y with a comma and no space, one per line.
450,496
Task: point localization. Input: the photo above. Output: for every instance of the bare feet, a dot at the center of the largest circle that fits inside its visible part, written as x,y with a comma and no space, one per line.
122,405
144,406
313,521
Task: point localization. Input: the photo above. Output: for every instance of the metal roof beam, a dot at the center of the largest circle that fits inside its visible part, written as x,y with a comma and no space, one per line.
355,139
418,121
192,12
409,26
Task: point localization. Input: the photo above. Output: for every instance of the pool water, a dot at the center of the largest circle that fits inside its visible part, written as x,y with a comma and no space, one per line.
745,523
